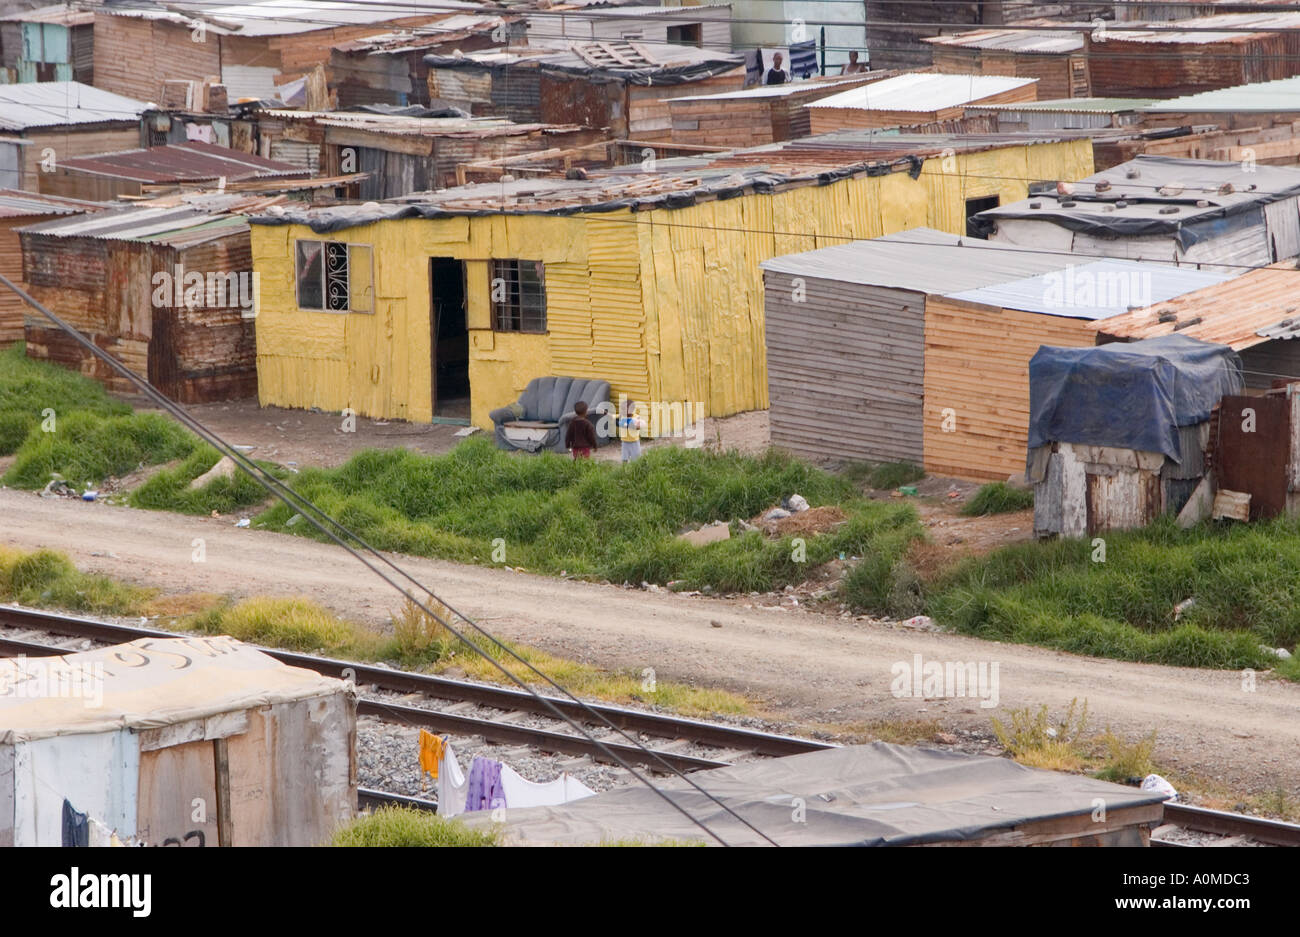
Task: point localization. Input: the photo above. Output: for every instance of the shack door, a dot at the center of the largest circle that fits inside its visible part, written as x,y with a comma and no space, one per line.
164,373
448,338
1251,451
178,795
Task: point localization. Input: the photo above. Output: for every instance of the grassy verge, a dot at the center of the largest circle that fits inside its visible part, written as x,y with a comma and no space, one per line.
997,498
587,519
56,421
1122,603
406,826
1032,739
882,476
29,388
169,489
48,579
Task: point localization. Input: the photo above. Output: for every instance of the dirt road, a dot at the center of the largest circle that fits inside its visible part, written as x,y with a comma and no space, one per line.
804,666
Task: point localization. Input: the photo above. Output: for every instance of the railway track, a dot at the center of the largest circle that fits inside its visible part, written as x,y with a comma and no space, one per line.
30,631
396,692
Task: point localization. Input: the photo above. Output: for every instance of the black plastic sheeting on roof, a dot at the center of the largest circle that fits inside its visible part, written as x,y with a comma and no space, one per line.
724,186
1203,227
1128,395
653,75
439,109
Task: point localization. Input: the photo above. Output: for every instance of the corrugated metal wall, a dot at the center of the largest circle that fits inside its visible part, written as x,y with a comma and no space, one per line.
845,367
666,304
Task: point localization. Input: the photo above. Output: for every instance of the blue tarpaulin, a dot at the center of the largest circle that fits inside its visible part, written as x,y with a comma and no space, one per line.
1128,395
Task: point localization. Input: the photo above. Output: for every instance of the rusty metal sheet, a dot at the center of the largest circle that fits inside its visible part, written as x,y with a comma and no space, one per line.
1254,442
1123,499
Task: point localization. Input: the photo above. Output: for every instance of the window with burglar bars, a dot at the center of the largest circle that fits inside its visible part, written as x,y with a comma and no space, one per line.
335,277
518,296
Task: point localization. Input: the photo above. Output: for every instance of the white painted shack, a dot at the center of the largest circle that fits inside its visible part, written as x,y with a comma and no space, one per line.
174,742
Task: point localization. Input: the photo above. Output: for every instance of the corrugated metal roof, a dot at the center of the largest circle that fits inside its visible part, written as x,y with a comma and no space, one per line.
1014,40
60,103
785,90
146,222
1082,105
287,17
58,15
1168,190
16,203
414,126
1248,310
597,56
1246,26
452,27
674,182
922,259
1093,289
922,92
1280,95
191,161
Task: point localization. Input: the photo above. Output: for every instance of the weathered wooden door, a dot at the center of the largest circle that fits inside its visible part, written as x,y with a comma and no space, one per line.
1252,449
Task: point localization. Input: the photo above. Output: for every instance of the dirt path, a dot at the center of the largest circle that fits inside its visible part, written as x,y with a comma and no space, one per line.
805,666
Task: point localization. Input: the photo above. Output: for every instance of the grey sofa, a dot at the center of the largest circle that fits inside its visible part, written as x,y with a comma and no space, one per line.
539,418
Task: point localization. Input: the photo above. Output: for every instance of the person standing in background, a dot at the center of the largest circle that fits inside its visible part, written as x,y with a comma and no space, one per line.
580,437
854,67
776,74
629,431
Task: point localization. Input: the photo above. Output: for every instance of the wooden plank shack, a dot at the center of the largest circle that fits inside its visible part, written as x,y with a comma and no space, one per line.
754,116
137,50
18,210
911,99
977,383
1055,59
195,345
134,55
1168,63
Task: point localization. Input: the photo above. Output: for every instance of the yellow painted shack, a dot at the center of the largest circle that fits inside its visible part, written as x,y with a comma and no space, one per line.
447,303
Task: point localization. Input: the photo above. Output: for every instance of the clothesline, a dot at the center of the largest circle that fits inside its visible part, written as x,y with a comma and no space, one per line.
490,785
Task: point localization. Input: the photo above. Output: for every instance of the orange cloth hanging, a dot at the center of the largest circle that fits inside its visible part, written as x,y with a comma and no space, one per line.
431,747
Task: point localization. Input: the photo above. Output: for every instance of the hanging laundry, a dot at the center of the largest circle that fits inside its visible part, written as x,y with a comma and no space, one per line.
431,748
76,829
100,834
484,792
452,784
521,792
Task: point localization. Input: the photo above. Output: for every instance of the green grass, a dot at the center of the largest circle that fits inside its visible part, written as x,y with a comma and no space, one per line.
1243,578
87,448
47,578
882,476
407,826
169,490
29,387
588,519
997,498
295,624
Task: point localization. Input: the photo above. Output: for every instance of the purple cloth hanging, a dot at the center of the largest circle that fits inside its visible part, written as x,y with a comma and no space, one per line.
483,787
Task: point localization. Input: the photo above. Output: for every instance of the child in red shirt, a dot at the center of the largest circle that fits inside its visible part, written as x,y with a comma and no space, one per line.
580,437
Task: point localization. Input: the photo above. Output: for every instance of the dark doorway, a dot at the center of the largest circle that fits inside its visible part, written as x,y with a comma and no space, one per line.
973,207
449,345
